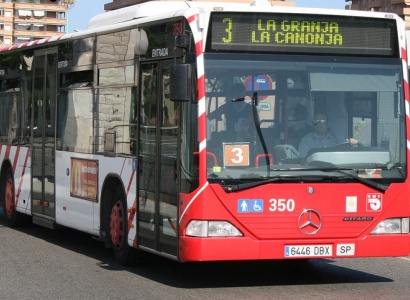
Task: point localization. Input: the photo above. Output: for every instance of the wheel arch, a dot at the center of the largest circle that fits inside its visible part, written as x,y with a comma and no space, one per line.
13,217
4,166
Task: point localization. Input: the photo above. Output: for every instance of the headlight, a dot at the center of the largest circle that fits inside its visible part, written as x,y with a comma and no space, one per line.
212,229
392,226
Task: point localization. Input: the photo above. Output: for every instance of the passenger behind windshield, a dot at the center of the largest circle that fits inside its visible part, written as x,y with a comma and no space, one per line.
237,114
321,136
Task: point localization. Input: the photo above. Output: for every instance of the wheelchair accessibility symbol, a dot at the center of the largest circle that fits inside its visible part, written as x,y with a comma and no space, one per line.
250,206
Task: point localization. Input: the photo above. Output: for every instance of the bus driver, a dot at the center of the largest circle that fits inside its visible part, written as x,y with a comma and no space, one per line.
321,136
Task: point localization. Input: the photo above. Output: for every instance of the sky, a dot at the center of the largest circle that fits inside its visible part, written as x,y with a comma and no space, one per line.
84,10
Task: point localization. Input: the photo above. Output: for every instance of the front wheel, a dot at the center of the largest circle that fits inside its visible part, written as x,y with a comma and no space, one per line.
118,223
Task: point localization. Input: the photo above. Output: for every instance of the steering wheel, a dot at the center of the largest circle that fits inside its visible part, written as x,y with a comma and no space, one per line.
347,145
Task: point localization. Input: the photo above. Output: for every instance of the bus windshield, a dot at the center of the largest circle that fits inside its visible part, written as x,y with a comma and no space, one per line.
294,115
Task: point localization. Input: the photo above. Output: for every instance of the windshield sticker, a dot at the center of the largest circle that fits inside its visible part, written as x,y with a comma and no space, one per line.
236,155
217,169
370,173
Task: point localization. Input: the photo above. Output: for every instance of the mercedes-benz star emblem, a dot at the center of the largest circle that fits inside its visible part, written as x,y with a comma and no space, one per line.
309,221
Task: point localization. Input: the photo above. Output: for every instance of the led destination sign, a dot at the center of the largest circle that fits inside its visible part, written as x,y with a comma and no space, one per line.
302,33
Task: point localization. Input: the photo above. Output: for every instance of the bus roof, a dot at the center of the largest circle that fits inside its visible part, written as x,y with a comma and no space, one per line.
151,7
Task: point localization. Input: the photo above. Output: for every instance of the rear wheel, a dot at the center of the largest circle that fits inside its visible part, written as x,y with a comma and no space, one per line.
13,217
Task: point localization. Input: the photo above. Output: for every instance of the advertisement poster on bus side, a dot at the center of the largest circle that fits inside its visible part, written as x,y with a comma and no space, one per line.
84,179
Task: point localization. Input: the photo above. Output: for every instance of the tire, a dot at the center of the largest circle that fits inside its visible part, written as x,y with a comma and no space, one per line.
8,194
118,229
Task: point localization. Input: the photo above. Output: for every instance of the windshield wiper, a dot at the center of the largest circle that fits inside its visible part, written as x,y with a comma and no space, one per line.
304,178
400,167
283,178
377,186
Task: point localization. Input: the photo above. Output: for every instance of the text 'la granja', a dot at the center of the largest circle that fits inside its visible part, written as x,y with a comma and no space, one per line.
297,32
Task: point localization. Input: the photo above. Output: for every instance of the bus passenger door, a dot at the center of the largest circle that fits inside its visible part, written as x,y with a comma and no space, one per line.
157,192
43,136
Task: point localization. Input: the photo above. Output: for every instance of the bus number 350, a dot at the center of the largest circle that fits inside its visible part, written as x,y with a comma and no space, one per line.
281,204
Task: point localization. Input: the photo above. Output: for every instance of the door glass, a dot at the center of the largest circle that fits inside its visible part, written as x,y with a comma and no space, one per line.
37,158
49,133
147,152
168,156
43,132
157,162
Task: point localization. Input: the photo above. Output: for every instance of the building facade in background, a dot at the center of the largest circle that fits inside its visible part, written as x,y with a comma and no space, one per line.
399,7
29,20
117,4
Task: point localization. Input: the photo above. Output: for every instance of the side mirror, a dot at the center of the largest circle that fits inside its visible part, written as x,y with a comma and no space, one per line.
180,82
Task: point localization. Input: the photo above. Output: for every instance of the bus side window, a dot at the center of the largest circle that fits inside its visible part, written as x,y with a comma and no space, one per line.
8,118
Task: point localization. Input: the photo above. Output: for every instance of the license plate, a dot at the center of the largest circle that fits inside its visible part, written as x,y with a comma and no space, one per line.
308,251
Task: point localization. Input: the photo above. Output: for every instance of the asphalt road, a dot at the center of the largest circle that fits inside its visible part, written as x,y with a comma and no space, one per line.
38,263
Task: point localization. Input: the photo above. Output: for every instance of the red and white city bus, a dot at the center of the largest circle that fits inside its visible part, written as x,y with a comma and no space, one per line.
132,131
